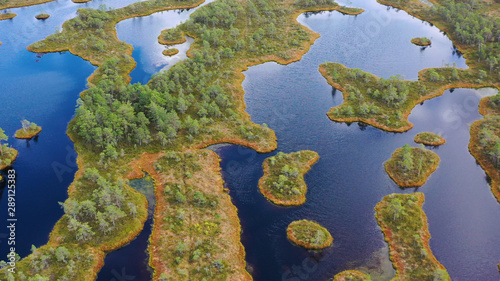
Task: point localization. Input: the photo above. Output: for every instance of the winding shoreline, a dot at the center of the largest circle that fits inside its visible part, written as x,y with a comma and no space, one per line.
436,93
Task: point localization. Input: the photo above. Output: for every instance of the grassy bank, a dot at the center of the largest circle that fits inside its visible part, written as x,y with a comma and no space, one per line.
351,275
484,145
429,138
309,234
196,231
386,103
404,225
283,180
411,166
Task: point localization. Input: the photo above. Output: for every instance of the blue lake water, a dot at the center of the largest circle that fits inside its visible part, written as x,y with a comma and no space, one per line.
344,186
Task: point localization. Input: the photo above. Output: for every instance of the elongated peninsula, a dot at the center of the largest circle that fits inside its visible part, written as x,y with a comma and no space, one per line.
404,225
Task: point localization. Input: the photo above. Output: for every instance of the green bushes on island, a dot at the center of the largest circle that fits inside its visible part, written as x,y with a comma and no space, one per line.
404,225
7,154
28,131
170,52
351,275
42,16
421,41
283,180
309,234
411,166
429,138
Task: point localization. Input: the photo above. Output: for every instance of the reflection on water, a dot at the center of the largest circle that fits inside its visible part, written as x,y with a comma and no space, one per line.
343,187
131,262
379,266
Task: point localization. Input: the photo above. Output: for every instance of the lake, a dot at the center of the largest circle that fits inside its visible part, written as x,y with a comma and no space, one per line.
343,187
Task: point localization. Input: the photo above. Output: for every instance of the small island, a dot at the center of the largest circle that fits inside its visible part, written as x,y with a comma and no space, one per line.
404,225
411,166
309,234
81,1
421,41
8,15
429,138
170,52
42,16
351,275
7,154
283,180
28,131
350,10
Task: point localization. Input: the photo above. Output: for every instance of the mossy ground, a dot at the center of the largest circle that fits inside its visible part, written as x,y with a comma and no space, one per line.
28,133
404,225
42,16
309,234
170,52
429,138
421,41
283,180
6,16
351,275
411,169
